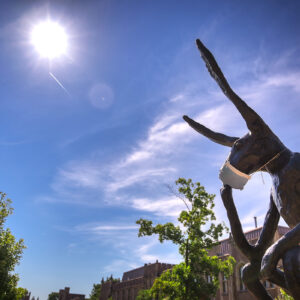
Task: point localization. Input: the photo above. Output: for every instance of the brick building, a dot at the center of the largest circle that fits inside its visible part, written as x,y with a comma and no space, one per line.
232,288
66,295
133,281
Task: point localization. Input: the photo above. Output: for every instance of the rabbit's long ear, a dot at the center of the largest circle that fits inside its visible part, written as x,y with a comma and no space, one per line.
212,135
254,122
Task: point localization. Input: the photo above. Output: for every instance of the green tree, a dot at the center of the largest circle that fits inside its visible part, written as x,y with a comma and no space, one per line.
10,254
95,293
284,296
21,293
96,290
144,295
197,276
53,296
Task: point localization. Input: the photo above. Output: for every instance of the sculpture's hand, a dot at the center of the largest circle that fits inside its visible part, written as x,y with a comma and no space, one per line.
234,220
226,193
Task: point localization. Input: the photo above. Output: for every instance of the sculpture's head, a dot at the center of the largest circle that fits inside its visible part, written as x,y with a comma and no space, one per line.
252,151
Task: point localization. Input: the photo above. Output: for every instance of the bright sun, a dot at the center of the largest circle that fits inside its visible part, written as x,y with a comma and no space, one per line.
49,39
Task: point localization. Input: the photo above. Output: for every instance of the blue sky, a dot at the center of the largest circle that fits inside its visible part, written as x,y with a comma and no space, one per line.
82,166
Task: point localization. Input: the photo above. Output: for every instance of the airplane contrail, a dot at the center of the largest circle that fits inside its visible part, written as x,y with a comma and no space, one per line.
59,83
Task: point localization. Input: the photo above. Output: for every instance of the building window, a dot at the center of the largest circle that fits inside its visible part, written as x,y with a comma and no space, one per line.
208,279
225,284
242,285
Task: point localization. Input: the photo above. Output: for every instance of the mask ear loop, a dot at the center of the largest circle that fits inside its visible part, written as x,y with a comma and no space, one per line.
265,165
262,177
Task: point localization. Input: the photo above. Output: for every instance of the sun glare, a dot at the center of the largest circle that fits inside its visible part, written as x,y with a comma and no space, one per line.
49,39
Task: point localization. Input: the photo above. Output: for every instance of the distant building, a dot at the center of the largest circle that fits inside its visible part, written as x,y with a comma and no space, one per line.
133,281
66,295
232,288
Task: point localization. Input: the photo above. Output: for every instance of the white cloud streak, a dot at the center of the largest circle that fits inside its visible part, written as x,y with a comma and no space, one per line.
157,158
170,207
99,229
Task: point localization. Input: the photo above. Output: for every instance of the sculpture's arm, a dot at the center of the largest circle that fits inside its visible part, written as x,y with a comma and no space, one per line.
265,240
276,251
250,277
269,228
235,224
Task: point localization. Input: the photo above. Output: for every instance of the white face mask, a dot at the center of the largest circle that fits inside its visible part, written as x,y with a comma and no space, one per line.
233,177
237,179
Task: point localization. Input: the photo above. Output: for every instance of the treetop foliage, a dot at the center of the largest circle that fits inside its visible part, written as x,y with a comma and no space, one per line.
95,293
53,296
196,235
10,254
96,290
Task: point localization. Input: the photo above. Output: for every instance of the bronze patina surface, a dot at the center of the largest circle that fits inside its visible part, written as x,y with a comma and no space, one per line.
258,148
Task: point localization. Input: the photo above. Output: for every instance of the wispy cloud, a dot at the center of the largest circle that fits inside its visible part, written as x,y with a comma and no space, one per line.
165,206
154,160
102,229
148,252
120,264
158,155
119,238
135,178
78,174
142,176
289,80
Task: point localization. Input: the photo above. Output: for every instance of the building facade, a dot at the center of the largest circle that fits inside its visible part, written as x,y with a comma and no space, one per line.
66,295
133,281
232,288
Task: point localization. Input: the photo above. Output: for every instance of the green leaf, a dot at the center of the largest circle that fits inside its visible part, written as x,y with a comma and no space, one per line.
198,235
10,254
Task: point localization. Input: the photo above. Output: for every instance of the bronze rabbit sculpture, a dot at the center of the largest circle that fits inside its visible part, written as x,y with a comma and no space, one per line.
261,149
